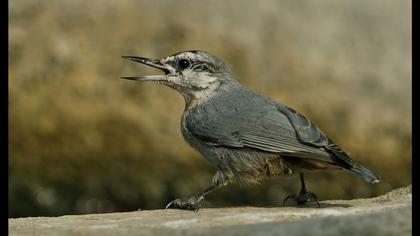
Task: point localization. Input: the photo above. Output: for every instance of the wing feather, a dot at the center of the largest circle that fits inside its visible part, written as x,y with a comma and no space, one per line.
308,133
242,118
243,130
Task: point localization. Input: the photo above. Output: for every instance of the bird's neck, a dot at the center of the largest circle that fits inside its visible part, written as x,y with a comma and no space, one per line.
201,96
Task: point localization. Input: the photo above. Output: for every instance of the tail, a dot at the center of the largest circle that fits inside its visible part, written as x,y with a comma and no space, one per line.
343,159
367,174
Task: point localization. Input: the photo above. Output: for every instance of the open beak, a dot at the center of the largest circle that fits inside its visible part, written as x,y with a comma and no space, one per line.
150,62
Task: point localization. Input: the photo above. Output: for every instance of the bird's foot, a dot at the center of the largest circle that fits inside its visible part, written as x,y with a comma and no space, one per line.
192,203
302,198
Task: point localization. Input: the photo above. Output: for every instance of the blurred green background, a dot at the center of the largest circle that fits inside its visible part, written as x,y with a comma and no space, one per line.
81,140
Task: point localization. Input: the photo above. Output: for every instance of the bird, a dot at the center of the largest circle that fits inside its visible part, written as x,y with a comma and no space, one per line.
246,136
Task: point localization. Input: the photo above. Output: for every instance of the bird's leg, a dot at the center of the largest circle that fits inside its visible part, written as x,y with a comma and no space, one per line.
193,203
303,196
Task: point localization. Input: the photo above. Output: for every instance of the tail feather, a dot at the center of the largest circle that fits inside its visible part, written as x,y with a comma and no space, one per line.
368,175
344,160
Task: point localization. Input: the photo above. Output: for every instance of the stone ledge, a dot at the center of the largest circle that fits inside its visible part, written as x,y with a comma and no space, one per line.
389,214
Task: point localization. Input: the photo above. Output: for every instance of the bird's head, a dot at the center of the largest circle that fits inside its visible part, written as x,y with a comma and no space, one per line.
195,74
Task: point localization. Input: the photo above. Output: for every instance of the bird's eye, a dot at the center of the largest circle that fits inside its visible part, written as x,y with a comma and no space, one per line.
183,64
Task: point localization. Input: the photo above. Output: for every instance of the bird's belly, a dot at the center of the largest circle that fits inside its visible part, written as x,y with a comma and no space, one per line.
241,164
252,166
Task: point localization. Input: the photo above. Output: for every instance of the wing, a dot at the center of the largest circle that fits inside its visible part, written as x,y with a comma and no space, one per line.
261,127
310,134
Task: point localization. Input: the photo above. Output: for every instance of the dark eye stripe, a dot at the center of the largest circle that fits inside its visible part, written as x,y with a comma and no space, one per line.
203,66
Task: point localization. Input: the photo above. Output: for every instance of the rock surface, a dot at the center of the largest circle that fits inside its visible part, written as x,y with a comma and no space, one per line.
389,214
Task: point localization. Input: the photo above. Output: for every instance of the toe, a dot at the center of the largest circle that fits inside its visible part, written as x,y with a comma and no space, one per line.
314,198
290,196
174,204
192,203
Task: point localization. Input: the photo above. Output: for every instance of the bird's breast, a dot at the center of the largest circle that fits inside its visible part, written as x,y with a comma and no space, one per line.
199,145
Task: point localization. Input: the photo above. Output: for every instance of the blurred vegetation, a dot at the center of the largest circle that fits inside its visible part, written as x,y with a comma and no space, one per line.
83,141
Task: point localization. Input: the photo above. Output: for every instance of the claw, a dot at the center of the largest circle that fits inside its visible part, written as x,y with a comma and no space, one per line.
314,197
172,202
303,196
169,204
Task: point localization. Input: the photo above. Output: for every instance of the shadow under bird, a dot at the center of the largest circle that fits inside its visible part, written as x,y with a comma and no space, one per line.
246,136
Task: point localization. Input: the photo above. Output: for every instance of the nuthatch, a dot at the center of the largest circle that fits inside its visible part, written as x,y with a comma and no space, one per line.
246,136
